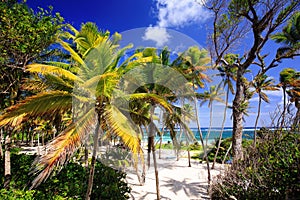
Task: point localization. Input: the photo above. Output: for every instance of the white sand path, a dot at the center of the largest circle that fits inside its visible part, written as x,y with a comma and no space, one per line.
177,180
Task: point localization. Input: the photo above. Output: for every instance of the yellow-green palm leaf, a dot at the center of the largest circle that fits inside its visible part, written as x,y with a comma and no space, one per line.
63,147
43,104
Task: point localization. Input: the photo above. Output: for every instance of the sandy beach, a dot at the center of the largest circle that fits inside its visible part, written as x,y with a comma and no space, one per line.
177,180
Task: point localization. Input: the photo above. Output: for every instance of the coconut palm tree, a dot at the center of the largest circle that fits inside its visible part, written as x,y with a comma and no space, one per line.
228,75
294,93
260,83
188,115
214,94
290,36
192,65
286,76
85,88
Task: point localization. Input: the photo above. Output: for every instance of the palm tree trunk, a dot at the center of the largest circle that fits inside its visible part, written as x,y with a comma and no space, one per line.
222,129
284,107
202,142
93,162
237,134
160,144
1,138
189,156
209,130
256,121
86,156
7,164
230,146
38,144
152,130
152,134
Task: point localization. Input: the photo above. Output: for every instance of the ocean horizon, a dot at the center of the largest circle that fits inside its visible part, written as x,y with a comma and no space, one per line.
248,133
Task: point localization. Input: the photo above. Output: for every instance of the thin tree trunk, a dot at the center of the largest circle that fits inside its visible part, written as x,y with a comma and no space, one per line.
149,146
86,156
222,129
209,130
143,178
152,130
31,139
202,142
189,156
256,121
7,163
93,162
1,139
297,117
38,144
230,146
284,108
160,144
152,134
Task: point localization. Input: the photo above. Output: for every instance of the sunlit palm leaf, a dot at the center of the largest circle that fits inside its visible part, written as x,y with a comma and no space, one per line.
43,104
47,69
151,97
120,126
63,147
74,55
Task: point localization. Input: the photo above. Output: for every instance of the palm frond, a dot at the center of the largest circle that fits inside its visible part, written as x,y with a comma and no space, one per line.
151,97
42,104
74,55
122,127
48,69
62,148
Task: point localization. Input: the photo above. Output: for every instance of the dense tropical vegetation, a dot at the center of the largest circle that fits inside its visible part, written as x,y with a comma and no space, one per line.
78,91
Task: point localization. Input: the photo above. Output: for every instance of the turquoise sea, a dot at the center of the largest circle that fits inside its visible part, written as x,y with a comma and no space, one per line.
248,133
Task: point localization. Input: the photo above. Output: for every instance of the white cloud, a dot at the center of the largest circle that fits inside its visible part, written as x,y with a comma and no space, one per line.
277,93
157,34
178,13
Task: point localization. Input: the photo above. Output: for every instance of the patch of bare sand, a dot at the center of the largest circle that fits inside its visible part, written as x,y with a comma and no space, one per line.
177,180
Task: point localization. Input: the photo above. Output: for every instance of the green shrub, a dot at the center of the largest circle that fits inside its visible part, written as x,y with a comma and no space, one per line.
269,171
225,144
70,183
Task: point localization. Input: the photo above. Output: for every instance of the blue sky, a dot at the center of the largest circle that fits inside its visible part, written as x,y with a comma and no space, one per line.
161,22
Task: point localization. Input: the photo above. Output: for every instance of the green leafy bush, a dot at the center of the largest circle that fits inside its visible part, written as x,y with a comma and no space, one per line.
70,183
223,149
269,171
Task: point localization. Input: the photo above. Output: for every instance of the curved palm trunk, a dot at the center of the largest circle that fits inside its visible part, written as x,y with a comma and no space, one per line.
93,162
152,134
209,130
222,129
256,121
202,142
230,146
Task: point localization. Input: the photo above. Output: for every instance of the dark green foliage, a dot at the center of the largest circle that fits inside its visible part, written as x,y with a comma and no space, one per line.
70,183
223,149
269,171
25,36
